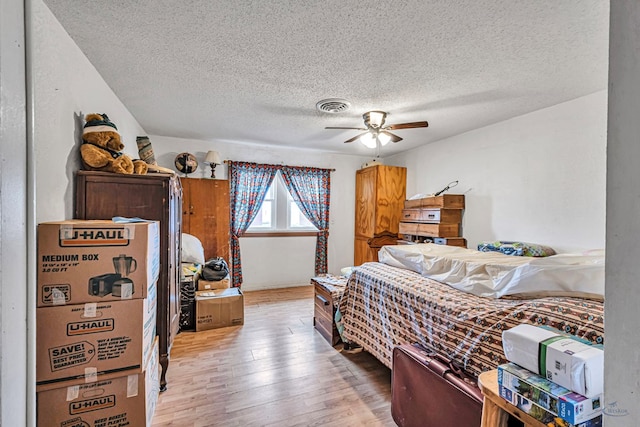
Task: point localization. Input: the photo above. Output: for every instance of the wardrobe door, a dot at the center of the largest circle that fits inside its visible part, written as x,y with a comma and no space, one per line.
380,195
205,214
365,225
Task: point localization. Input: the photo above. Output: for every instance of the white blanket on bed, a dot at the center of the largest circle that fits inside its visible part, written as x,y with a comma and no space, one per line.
495,275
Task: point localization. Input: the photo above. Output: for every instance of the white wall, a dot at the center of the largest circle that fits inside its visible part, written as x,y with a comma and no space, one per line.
67,88
280,261
622,299
538,178
16,368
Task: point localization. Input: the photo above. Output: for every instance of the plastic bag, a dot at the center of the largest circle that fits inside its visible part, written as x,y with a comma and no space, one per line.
215,269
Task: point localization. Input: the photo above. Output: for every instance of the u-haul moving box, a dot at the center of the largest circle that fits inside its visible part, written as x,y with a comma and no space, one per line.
95,261
84,340
126,400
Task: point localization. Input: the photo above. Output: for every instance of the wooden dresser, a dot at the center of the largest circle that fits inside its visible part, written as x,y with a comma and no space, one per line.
380,195
205,214
102,195
433,220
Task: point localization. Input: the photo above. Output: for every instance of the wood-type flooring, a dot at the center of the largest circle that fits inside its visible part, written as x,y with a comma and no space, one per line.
275,370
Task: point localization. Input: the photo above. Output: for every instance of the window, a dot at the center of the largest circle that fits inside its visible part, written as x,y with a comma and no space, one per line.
265,218
279,212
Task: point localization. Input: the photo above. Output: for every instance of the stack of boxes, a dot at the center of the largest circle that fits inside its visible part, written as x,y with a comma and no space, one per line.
217,305
555,378
97,352
209,304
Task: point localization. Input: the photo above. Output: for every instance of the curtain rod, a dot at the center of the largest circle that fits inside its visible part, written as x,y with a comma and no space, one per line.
229,161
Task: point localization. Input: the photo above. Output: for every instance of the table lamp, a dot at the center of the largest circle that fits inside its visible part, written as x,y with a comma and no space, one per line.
213,158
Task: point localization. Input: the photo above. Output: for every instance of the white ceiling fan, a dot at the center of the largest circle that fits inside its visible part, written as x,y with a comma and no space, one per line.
376,132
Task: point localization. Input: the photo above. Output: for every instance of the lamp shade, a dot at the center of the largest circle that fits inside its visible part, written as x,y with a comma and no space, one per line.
369,140
384,138
213,157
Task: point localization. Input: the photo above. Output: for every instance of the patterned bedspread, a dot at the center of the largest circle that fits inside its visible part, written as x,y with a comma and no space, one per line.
385,306
333,284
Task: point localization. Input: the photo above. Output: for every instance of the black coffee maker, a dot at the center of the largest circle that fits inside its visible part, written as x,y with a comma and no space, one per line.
102,285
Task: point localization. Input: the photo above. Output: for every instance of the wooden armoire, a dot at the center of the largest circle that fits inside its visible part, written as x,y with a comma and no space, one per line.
103,195
380,195
205,214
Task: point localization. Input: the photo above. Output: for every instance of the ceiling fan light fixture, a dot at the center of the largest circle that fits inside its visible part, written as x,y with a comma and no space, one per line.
374,119
368,140
384,138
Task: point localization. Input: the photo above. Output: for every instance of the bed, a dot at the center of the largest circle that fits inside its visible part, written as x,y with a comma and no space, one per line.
384,306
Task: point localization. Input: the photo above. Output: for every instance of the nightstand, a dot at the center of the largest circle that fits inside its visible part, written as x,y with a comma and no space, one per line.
327,290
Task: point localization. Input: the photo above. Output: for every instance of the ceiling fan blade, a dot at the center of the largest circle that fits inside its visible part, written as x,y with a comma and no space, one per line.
394,137
407,125
338,127
354,138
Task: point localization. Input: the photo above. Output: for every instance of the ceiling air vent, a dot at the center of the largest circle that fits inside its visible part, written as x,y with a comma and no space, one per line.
333,105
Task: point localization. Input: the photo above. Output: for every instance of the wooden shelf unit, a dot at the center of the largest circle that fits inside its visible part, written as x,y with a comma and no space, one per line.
436,219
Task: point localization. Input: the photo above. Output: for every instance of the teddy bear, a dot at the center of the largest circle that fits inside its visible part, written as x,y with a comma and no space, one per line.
101,148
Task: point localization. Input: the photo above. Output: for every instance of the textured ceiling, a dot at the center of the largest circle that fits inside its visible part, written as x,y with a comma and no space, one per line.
252,71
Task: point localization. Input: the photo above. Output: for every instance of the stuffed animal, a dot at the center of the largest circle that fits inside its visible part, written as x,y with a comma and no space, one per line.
101,148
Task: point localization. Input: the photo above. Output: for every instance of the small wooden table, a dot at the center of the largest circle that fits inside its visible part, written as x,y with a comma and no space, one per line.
496,410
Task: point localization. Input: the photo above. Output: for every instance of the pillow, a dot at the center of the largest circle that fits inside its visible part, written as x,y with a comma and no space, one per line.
516,248
192,250
346,271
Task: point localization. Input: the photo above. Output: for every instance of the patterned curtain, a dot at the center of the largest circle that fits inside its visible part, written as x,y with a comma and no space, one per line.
249,185
310,188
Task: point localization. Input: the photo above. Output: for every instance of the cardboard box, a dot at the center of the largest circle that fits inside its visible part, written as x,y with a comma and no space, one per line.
126,400
84,340
565,360
96,261
560,401
219,308
208,285
539,413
